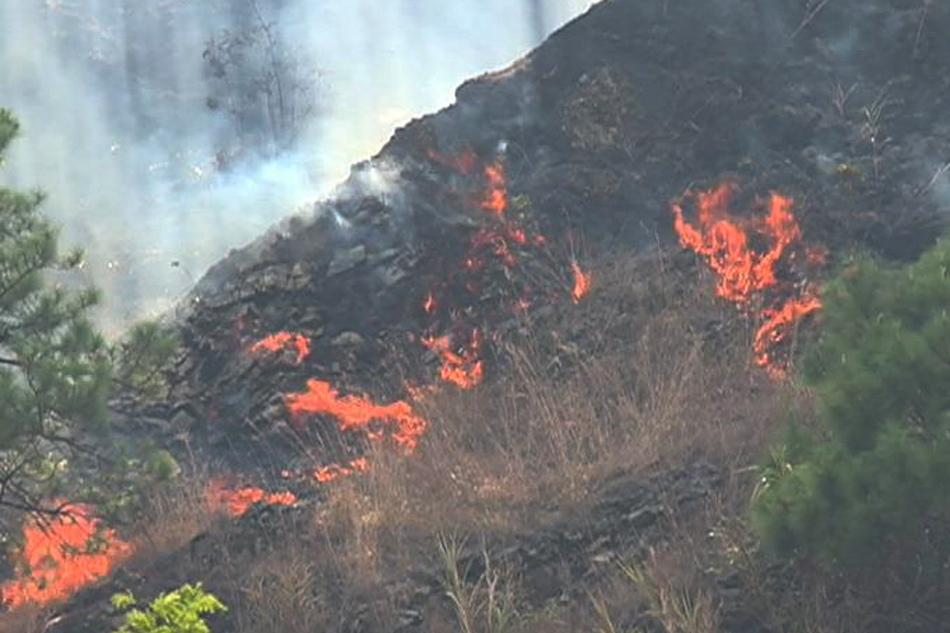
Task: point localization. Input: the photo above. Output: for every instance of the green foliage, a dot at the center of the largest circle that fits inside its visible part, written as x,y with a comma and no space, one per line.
143,355
55,371
880,372
179,611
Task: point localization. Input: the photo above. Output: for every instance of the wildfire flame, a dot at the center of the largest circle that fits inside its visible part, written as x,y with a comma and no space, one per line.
581,283
283,340
237,501
462,369
335,471
744,272
496,198
60,557
356,413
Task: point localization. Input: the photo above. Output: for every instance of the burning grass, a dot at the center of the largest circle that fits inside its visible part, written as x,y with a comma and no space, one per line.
60,555
651,386
644,372
762,264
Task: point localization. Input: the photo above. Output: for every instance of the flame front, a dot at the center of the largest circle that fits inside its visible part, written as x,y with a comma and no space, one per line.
58,558
237,501
745,273
356,413
283,340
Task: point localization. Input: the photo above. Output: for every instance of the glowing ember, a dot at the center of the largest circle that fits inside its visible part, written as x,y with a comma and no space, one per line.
429,304
335,471
747,271
464,163
355,413
72,551
283,340
464,368
237,501
581,282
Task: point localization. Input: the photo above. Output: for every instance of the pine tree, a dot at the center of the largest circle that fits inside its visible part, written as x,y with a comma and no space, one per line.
54,367
880,371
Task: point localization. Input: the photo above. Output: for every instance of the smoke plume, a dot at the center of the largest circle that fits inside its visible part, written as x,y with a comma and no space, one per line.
158,161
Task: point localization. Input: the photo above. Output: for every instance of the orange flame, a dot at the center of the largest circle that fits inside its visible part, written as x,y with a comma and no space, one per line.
581,282
237,501
335,471
462,369
429,305
778,323
72,551
743,272
354,412
724,241
496,198
282,340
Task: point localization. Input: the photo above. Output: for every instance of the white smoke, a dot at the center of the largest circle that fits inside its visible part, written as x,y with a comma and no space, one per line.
112,97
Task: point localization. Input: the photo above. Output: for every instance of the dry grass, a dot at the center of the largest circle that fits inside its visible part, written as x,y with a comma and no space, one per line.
278,592
652,376
642,384
25,620
175,514
648,371
488,605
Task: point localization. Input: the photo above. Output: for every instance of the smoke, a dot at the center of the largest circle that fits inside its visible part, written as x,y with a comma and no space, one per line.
113,98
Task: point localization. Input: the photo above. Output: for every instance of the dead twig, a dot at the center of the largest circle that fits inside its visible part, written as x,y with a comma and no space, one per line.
811,15
924,9
840,96
933,181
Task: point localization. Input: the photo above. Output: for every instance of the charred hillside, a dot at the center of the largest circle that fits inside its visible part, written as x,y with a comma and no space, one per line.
591,136
515,292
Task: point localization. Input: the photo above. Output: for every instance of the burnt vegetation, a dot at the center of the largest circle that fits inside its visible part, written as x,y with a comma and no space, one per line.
636,336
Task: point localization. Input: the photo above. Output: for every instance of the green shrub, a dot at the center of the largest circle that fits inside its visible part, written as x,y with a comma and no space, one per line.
881,377
179,611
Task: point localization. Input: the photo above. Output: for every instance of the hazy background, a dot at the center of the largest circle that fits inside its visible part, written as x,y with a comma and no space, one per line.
156,151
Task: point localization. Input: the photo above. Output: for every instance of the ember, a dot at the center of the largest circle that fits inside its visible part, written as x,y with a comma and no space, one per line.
282,340
745,272
237,501
70,552
464,163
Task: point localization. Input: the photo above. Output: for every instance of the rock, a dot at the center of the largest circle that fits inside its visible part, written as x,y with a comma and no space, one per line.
409,617
183,419
346,260
348,339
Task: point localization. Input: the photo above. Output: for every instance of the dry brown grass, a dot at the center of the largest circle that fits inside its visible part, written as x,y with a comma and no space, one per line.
176,513
643,384
278,592
25,620
648,371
